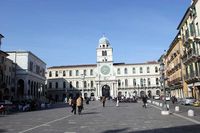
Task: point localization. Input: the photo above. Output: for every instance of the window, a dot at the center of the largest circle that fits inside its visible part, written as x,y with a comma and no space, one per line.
144,80
85,84
92,84
104,53
56,84
126,82
149,82
77,73
125,71
56,74
134,82
91,72
133,70
70,84
148,70
50,85
141,70
157,81
156,69
141,82
50,74
119,83
85,72
64,84
31,66
77,84
64,73
118,71
37,69
70,73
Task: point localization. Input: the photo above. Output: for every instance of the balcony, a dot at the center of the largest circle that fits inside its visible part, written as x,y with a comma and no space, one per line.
190,56
174,69
197,37
192,77
175,81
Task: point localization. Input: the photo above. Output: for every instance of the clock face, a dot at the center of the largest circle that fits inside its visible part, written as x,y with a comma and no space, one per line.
105,70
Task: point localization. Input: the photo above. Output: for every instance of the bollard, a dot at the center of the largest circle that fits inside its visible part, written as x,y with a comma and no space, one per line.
190,113
177,108
167,106
117,104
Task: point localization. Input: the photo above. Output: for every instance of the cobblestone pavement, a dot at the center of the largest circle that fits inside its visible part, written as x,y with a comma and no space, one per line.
127,118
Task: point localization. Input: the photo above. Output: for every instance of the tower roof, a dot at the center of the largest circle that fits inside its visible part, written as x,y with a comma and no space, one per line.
104,42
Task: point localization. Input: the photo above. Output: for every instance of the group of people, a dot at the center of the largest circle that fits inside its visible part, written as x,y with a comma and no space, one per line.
76,102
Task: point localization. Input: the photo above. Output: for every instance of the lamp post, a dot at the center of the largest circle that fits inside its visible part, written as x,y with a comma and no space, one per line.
138,90
164,111
83,78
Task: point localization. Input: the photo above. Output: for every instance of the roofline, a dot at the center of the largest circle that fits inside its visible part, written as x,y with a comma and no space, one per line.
27,52
186,13
173,43
4,52
94,65
1,36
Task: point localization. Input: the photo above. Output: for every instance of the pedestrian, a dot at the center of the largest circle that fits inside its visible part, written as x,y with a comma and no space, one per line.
144,100
79,104
103,100
73,104
69,101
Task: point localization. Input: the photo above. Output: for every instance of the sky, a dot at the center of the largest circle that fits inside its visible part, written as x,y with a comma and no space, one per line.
66,32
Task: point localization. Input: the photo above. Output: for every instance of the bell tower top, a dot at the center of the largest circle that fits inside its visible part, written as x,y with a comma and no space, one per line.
104,42
104,51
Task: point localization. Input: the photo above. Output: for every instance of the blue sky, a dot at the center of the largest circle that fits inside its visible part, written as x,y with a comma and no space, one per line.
66,32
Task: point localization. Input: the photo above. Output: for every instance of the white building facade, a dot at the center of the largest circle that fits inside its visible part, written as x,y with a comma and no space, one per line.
29,76
105,78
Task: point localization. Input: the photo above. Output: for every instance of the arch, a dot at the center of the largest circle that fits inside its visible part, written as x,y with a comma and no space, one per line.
119,93
92,94
149,93
142,93
20,88
106,91
135,92
85,95
158,92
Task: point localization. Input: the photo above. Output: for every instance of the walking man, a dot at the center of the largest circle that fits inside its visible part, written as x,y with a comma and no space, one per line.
103,100
73,105
144,100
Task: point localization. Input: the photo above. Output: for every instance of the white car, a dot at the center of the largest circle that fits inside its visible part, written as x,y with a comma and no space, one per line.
157,97
167,98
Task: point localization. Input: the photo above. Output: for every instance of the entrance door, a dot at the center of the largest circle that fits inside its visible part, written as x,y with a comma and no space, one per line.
106,91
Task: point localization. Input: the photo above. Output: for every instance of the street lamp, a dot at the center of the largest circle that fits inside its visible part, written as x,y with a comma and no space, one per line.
83,78
164,111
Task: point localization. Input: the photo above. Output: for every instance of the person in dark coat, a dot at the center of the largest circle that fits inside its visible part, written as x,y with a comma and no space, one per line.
73,105
144,100
103,100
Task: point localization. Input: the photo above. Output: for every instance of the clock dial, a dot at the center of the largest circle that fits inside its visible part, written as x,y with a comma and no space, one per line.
105,69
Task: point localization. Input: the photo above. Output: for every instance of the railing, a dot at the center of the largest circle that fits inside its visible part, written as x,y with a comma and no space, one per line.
190,54
191,76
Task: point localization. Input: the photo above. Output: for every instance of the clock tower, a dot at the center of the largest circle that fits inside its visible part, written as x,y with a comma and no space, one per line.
105,78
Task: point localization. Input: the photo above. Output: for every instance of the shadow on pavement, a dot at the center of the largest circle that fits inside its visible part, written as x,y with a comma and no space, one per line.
180,129
88,113
123,130
3,130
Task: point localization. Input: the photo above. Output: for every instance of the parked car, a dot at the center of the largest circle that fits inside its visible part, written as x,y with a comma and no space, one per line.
168,98
196,104
188,101
156,97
